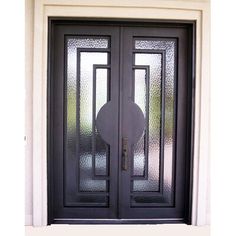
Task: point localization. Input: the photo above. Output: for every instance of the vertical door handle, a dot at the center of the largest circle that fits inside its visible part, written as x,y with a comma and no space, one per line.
124,153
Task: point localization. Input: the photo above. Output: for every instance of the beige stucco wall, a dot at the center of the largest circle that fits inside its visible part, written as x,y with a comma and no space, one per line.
29,22
29,29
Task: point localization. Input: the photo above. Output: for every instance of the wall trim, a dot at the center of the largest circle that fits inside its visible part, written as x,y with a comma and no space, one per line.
28,219
142,9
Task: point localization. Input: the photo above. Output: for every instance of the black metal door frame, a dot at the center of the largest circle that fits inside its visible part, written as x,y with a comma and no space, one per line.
190,26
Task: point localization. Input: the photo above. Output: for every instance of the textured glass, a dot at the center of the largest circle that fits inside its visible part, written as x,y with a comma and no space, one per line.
87,60
140,99
146,199
80,138
87,43
154,62
169,83
169,119
92,200
101,99
71,99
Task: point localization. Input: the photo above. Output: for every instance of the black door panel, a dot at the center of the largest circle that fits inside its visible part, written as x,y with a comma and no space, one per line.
119,127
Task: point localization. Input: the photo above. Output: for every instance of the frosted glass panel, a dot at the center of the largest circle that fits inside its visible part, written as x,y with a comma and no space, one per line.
87,43
87,60
155,181
140,99
154,63
87,92
101,148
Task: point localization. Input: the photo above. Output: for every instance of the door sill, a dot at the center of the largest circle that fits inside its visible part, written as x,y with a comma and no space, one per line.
119,221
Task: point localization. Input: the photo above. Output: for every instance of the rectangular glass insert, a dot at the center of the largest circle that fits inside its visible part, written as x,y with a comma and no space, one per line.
157,181
87,91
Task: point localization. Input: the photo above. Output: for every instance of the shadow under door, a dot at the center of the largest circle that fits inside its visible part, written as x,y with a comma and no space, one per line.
119,122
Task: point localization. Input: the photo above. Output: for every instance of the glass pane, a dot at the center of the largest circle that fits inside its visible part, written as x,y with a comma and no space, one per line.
154,44
87,43
87,91
93,200
154,63
153,176
140,99
169,118
87,60
71,101
101,148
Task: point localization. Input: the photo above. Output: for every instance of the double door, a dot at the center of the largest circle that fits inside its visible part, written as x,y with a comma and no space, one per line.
119,123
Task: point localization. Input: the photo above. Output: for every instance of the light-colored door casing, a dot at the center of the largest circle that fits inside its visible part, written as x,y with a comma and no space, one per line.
197,10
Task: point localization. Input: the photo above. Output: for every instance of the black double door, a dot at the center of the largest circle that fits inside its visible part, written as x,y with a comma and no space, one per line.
119,122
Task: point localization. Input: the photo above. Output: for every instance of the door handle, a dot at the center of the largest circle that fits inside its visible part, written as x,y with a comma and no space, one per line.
124,153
